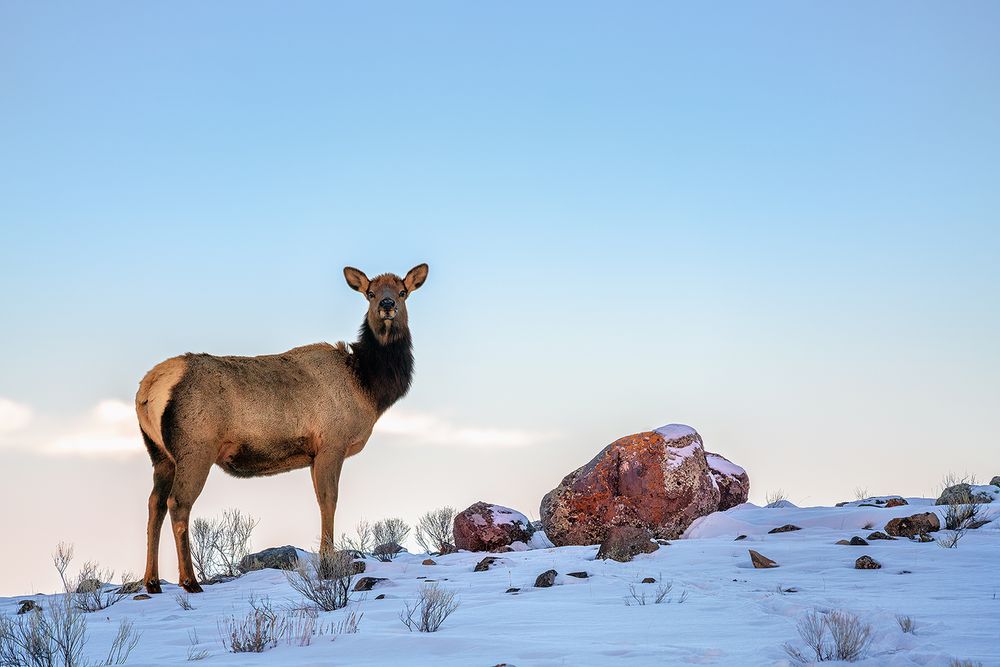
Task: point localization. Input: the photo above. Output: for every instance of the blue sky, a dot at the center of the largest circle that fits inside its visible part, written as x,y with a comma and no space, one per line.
776,222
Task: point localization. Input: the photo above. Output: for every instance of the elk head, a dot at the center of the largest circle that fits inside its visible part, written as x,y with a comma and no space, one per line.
387,295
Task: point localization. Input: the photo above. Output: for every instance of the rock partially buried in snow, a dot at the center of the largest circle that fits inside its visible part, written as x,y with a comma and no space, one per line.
787,528
484,564
277,558
658,480
995,481
867,563
624,543
487,527
367,583
965,494
760,561
733,481
913,525
27,605
879,535
546,579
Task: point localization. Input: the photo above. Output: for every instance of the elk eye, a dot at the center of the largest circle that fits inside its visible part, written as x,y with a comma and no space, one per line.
371,295
402,293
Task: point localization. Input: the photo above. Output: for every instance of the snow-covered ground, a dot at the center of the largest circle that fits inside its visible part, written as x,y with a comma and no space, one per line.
732,613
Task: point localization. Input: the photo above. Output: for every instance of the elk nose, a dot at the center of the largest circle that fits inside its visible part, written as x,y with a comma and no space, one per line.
387,304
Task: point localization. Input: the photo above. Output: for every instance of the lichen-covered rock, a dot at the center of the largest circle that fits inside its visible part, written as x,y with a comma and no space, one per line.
867,563
487,527
624,543
658,480
995,481
916,524
276,558
964,494
546,579
733,481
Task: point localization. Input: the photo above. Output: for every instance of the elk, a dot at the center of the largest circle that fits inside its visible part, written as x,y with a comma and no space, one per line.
310,406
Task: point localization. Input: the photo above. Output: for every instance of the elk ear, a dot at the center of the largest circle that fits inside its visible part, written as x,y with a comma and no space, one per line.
356,279
415,277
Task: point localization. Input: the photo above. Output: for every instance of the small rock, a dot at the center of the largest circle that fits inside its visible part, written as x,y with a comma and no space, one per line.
446,548
428,561
578,575
995,481
924,538
649,580
896,502
843,542
485,564
140,596
867,563
380,596
879,535
367,583
662,543
512,590
275,558
624,543
761,561
740,537
787,528
129,588
388,551
546,579
858,542
218,579
28,605
915,524
89,586
358,566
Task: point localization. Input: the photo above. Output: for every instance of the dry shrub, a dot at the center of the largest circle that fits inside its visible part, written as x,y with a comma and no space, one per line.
218,545
388,532
262,628
837,635
959,519
435,529
93,593
324,580
775,497
183,599
56,633
906,624
434,605
361,541
639,597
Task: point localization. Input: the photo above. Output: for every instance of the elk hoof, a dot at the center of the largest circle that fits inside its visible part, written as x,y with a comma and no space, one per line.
191,586
153,586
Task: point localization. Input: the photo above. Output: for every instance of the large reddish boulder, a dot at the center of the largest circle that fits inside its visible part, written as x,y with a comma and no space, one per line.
486,527
733,481
658,480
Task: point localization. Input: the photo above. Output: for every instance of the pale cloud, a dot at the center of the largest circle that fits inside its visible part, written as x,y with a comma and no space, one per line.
419,428
13,416
108,429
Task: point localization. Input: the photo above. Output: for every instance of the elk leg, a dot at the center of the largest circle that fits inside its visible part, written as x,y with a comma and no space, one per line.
326,480
163,480
189,479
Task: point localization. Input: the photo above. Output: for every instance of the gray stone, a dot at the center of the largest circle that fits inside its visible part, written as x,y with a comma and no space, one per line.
275,558
546,579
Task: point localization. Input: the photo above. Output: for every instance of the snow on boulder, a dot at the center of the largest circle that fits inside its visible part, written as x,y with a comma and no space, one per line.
488,527
658,480
733,481
965,494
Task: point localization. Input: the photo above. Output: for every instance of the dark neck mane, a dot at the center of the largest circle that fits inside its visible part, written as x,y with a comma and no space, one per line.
384,371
